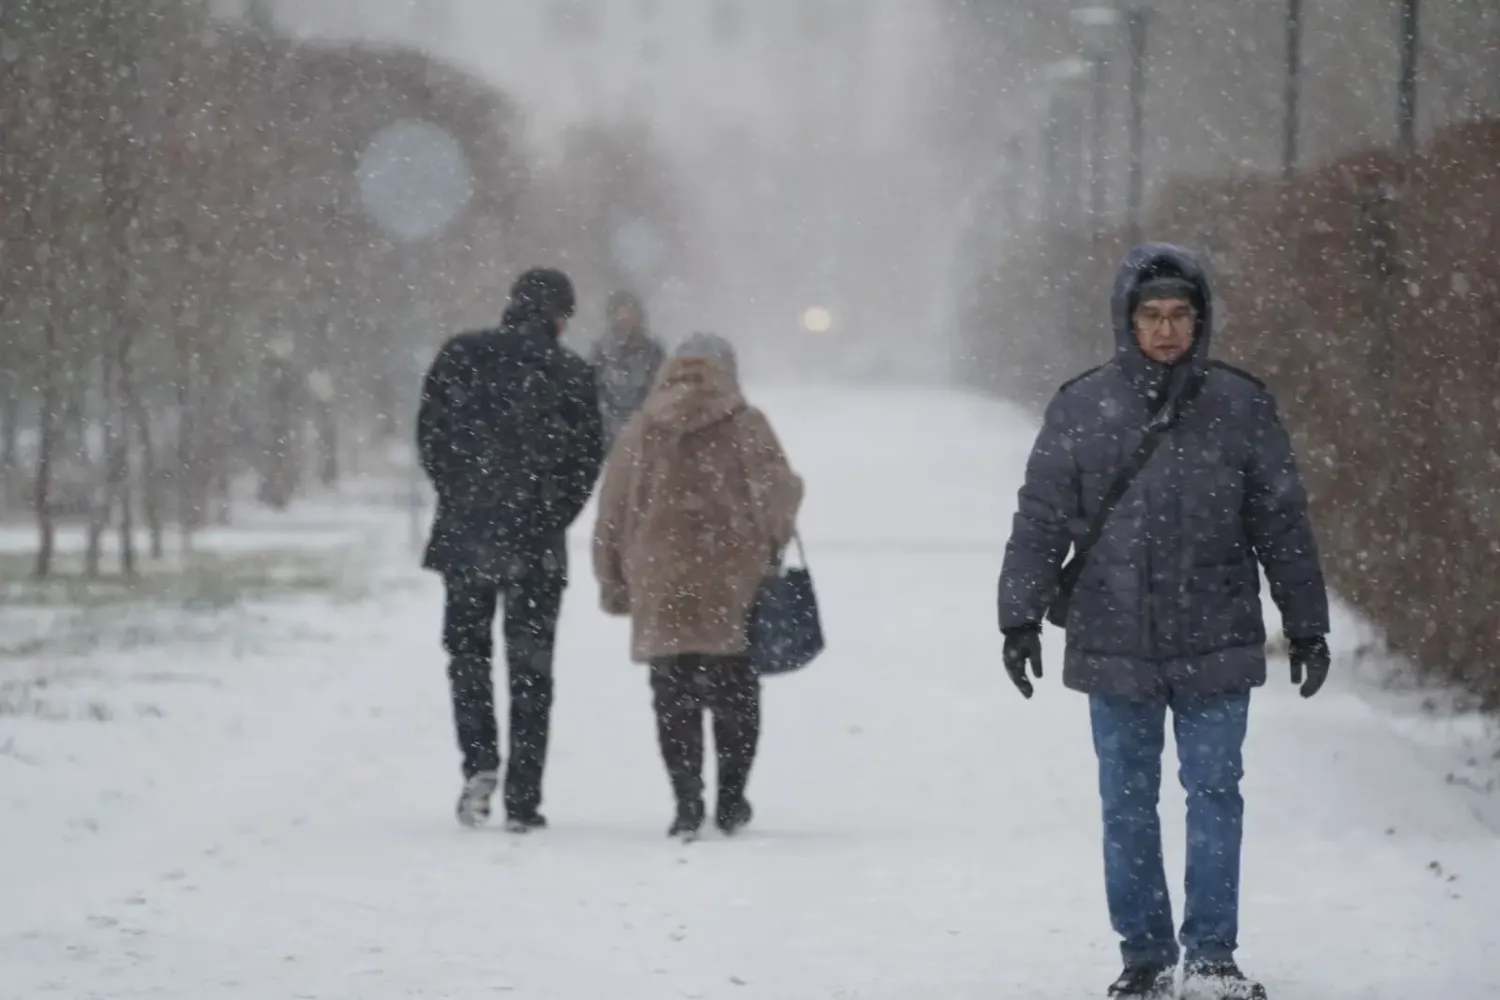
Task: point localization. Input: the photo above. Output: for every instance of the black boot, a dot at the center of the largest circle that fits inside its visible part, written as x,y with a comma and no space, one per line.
733,814
1145,982
525,822
689,819
1221,980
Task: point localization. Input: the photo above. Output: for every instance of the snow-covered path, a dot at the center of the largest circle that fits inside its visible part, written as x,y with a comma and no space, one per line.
280,825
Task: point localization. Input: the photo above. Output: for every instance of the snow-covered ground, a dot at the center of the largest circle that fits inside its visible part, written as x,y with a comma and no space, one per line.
264,810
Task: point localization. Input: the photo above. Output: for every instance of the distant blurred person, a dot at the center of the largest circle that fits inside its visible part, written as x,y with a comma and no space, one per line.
696,506
509,433
626,360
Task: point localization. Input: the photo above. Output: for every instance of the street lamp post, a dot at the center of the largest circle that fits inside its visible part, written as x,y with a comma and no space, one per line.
1050,156
1406,93
1137,16
1064,121
1293,97
1098,27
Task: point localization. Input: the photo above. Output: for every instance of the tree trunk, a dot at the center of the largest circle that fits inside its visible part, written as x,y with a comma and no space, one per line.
102,508
10,413
121,465
46,527
189,513
127,508
328,444
214,444
150,477
279,456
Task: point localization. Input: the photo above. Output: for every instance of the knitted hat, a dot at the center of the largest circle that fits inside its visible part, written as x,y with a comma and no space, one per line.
711,346
543,291
1170,287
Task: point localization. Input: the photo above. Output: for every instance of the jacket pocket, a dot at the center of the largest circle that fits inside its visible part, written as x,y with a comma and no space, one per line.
1106,613
1222,608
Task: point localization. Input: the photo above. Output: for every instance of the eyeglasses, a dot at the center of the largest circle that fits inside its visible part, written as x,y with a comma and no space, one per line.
1177,318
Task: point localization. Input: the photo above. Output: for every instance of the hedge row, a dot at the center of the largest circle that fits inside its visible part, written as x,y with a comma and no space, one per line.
1367,293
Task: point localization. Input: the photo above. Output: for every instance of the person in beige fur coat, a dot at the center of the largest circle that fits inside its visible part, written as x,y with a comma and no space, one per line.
696,505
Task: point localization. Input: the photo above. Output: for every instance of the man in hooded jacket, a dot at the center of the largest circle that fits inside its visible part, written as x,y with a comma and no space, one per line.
1166,613
626,360
509,433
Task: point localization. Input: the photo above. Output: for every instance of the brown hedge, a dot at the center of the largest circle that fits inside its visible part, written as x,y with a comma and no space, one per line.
1368,295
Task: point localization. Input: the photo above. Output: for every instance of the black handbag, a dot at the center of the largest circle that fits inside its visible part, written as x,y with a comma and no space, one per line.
785,627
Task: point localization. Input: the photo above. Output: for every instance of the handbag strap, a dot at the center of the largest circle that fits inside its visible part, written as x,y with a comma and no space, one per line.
801,552
777,555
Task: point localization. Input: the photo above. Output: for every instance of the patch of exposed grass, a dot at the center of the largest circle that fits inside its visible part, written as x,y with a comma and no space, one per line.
205,580
187,596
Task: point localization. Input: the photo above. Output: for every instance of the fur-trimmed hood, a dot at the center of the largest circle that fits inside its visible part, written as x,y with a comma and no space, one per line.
692,394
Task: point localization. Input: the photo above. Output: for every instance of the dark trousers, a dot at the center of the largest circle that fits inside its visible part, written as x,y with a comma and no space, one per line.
1129,737
682,687
530,603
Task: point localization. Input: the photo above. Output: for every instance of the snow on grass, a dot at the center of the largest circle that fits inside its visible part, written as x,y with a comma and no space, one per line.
189,592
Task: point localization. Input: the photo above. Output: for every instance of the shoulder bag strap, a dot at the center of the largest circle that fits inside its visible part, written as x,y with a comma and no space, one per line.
1117,490
1155,432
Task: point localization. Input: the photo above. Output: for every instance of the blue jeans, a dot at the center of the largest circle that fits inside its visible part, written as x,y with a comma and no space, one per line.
1129,737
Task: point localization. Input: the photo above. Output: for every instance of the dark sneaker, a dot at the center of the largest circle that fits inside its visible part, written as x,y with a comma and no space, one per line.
1145,982
474,801
733,815
525,822
689,820
1219,981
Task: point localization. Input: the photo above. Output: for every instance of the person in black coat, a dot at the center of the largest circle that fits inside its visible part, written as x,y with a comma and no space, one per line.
509,433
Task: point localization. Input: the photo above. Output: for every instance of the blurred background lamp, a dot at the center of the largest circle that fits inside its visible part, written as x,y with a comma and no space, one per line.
414,179
817,320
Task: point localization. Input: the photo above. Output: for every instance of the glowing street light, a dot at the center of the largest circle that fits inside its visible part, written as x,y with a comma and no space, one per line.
817,320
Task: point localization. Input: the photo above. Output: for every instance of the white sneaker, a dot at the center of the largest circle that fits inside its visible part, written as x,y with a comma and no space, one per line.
474,800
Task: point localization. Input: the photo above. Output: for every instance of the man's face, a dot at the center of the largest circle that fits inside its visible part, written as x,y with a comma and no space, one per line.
561,322
625,317
1164,329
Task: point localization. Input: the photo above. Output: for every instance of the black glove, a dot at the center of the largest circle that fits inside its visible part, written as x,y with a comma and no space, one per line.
1312,655
1023,643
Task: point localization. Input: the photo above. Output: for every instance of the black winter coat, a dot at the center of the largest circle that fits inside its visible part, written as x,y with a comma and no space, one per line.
509,434
1169,599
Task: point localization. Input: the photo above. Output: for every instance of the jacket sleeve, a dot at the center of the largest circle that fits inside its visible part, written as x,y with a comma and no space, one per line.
657,362
435,427
775,489
615,490
583,453
1041,531
1279,527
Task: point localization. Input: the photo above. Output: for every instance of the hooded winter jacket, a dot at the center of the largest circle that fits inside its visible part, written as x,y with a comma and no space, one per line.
1169,598
625,369
697,501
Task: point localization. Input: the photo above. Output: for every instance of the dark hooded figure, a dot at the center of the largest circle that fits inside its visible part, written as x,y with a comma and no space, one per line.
626,362
1166,614
509,434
